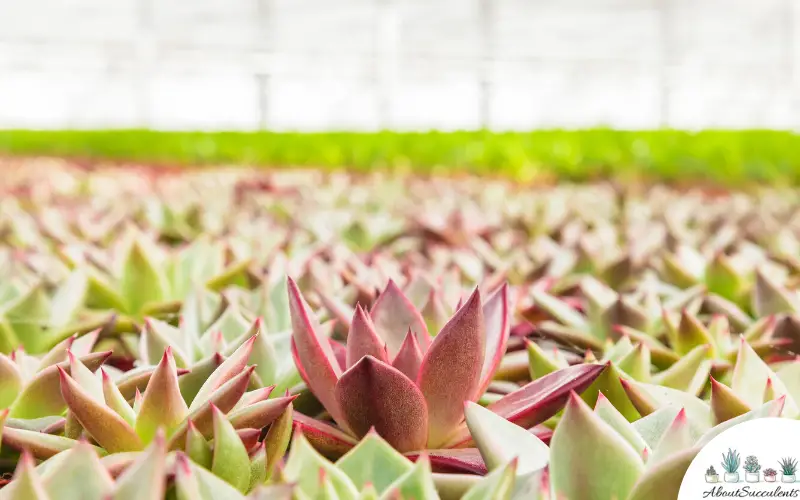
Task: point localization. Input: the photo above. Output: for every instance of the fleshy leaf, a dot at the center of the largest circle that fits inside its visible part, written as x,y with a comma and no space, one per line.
451,370
41,445
500,441
277,440
363,340
373,394
142,281
259,414
725,404
416,483
497,318
393,314
109,429
305,465
409,359
329,440
560,310
229,369
373,461
41,397
541,399
314,356
229,461
675,439
27,485
664,479
750,376
647,398
197,448
193,482
685,374
115,400
79,462
771,298
610,415
581,430
144,479
498,485
162,403
223,398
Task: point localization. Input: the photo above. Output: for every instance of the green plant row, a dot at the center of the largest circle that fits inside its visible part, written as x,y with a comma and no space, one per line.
725,157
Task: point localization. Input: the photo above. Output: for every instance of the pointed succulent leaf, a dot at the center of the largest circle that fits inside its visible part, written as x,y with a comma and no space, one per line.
229,369
772,408
580,430
690,334
685,375
654,425
750,376
142,280
373,394
162,403
541,399
498,485
497,318
500,441
610,415
26,484
362,339
259,414
223,398
192,381
636,363
409,358
416,483
193,482
451,370
229,461
79,462
156,336
115,400
675,439
770,297
197,448
305,465
329,440
664,479
374,461
41,397
144,479
539,363
393,314
110,430
725,404
276,441
648,398
314,356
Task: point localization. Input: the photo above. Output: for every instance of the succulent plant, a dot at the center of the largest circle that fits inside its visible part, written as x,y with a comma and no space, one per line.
730,461
788,465
711,471
751,464
770,472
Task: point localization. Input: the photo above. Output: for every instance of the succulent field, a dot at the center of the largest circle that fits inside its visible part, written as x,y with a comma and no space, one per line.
230,334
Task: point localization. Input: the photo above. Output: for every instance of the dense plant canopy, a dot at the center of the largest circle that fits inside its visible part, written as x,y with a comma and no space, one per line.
293,335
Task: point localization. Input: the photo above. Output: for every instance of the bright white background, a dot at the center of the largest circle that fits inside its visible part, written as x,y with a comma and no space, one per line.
403,64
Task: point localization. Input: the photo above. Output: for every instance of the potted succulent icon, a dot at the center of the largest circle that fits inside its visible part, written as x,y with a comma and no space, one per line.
788,468
711,475
770,475
752,469
730,464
